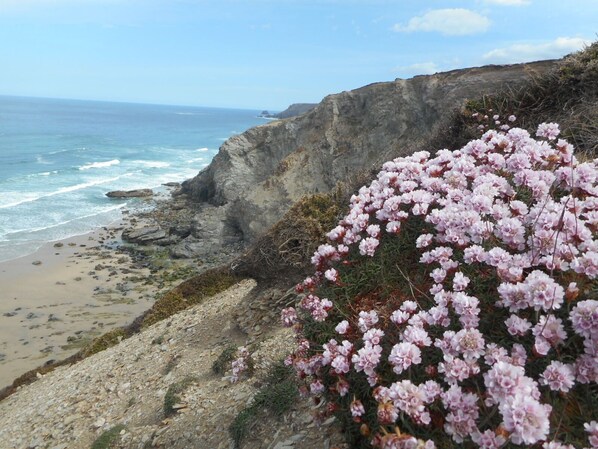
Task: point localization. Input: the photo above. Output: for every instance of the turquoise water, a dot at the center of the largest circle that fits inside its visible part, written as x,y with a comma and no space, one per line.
58,158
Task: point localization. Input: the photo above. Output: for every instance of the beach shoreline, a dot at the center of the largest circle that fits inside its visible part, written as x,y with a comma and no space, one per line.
55,301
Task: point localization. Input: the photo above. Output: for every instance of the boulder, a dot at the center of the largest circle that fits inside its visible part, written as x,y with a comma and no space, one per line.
145,234
187,248
138,193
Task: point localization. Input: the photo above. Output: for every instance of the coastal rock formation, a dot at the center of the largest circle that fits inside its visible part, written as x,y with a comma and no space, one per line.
292,111
258,175
296,109
138,193
143,234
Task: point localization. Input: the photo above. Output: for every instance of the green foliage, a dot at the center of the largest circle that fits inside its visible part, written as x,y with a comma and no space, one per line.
106,341
277,396
171,398
189,293
108,437
222,363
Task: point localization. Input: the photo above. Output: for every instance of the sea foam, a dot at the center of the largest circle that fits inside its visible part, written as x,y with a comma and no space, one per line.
99,164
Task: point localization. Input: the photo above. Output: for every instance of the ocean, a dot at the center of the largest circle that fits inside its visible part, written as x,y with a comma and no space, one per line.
58,158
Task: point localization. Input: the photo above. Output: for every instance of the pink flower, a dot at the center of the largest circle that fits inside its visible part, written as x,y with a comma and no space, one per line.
317,387
557,445
373,336
558,376
550,329
373,231
526,419
584,317
488,440
368,246
592,429
288,316
517,325
460,282
548,130
331,274
342,327
357,409
367,320
367,358
403,355
423,240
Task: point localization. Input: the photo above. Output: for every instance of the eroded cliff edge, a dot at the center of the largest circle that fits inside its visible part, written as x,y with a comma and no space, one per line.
256,176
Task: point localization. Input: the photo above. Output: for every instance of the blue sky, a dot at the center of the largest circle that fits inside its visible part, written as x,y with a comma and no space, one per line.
266,54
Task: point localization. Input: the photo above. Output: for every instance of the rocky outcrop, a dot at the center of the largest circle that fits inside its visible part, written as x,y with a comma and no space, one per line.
139,193
295,109
256,176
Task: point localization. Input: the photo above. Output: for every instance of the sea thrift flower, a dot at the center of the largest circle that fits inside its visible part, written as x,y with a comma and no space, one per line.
373,336
505,224
367,320
558,376
367,358
342,327
526,419
517,325
331,274
240,365
488,440
403,355
592,429
368,246
548,130
584,317
288,316
357,408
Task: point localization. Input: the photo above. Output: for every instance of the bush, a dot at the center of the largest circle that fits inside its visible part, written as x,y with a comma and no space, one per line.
189,293
171,398
459,287
105,440
109,339
277,396
222,363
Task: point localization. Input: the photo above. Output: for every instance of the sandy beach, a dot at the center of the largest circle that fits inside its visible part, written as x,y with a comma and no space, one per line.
54,301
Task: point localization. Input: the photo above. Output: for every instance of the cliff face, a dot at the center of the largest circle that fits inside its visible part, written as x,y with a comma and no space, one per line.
257,175
296,109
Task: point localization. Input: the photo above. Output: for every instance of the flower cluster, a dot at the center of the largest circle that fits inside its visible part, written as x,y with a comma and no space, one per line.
241,365
503,233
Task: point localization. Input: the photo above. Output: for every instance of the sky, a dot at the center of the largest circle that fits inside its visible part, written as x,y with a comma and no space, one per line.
267,54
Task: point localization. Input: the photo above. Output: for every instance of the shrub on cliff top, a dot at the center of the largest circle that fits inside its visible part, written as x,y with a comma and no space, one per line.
568,94
455,306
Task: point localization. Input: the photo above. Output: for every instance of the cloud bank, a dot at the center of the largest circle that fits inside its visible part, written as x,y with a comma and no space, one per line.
450,22
533,52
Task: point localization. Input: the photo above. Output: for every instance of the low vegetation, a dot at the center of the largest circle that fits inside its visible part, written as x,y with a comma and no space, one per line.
277,395
453,305
172,396
108,437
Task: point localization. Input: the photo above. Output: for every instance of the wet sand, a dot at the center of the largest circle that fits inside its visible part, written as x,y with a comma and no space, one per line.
54,301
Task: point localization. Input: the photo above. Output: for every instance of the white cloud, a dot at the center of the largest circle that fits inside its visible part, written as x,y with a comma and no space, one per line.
450,22
509,2
534,52
421,68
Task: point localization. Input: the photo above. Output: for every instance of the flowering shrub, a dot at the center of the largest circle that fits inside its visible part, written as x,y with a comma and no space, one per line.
242,365
454,304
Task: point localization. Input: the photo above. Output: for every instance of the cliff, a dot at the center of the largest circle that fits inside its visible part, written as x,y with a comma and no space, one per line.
258,175
296,109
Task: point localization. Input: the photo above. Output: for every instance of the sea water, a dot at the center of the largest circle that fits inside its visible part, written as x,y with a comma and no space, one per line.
58,158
